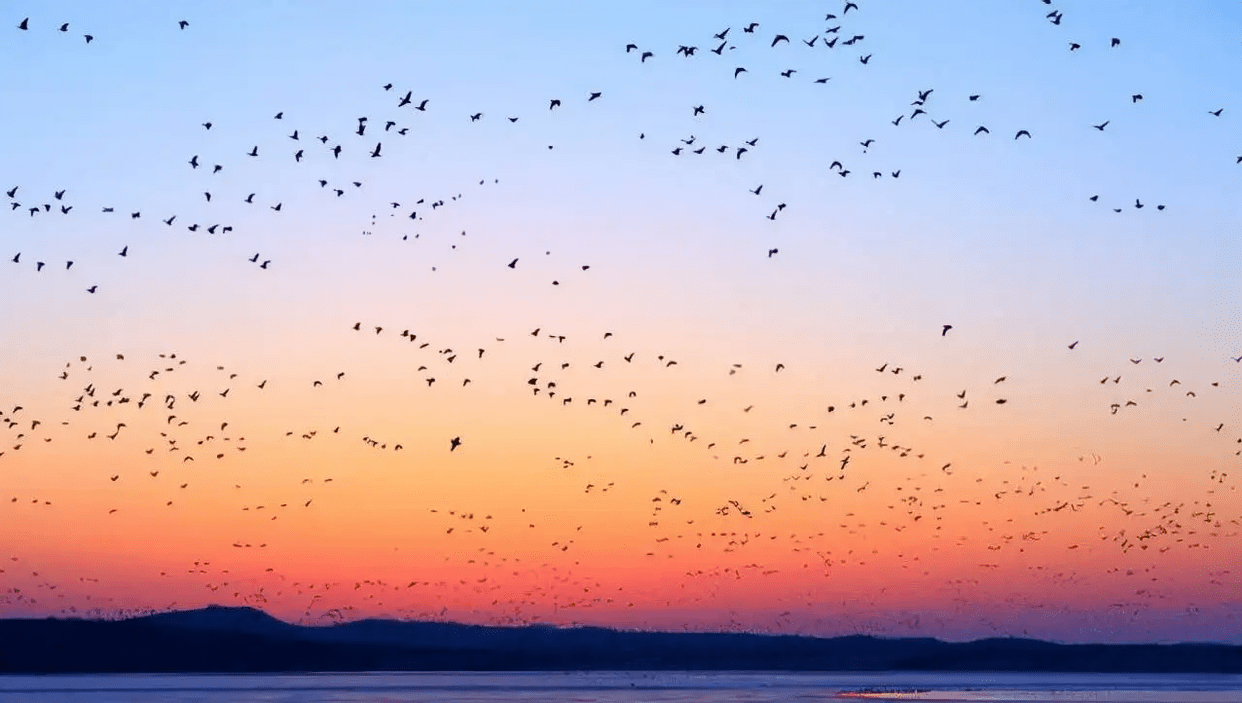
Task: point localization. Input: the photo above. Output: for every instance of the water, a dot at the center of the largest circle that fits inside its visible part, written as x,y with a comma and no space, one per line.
617,687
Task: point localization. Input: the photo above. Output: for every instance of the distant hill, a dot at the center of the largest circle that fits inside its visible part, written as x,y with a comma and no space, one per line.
232,640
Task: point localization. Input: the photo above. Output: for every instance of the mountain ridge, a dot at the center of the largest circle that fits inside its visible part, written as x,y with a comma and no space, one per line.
223,639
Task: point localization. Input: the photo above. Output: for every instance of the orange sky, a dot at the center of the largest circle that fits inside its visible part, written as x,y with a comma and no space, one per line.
684,405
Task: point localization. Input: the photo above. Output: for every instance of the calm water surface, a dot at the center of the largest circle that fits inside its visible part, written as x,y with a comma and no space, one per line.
618,687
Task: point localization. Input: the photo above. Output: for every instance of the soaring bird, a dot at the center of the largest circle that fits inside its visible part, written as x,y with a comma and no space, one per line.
1022,132
779,38
945,330
1101,126
738,70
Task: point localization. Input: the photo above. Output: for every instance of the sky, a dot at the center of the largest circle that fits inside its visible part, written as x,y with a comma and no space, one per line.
713,350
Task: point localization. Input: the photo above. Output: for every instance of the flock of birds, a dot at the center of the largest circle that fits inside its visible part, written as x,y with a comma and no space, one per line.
174,413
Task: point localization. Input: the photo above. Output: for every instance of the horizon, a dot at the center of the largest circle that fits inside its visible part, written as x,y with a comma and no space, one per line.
650,344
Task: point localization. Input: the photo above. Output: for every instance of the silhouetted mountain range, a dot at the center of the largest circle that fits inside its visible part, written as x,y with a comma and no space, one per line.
224,639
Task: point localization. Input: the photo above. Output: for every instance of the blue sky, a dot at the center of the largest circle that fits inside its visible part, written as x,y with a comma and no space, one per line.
994,235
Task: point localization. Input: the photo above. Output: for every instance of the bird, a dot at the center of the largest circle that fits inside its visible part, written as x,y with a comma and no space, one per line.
864,59
945,329
779,38
594,96
982,130
1022,132
124,251
183,24
24,24
1101,126
738,70
1114,43
1216,113
454,443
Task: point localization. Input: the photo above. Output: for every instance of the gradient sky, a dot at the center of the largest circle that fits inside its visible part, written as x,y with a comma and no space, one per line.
820,496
